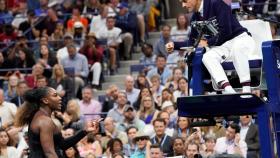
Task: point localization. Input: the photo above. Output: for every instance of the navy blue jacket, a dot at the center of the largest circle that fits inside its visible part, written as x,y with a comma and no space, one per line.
229,27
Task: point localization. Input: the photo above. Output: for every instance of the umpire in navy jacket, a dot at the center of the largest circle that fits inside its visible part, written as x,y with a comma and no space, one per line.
230,43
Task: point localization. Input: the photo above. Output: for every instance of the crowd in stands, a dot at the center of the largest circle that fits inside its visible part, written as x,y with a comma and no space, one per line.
67,45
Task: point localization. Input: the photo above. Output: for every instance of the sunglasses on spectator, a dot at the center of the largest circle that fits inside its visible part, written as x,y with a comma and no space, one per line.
142,139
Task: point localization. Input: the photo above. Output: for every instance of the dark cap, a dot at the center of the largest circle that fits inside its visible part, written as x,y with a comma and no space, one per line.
128,107
123,5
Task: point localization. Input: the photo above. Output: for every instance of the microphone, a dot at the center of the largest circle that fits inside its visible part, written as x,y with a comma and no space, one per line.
209,26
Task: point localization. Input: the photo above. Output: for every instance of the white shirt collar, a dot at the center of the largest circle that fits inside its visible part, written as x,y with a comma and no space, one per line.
246,126
200,10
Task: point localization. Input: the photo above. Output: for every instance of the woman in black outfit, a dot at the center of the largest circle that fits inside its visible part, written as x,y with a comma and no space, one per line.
36,113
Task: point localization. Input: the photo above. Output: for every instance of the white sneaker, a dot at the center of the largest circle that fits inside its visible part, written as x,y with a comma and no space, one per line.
246,89
229,90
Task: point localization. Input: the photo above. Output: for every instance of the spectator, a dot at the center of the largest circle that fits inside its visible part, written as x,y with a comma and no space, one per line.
7,111
89,145
57,36
41,82
153,15
141,81
210,141
127,22
3,65
37,71
90,107
161,138
21,14
110,98
63,52
178,147
131,146
182,88
76,17
183,128
131,92
166,95
196,137
5,16
172,83
47,58
148,58
112,132
141,9
156,87
44,40
5,148
117,112
72,152
42,11
29,27
50,22
98,22
26,58
160,69
155,151
181,31
115,146
143,93
66,9
181,63
7,35
71,116
250,134
159,46
169,129
79,33
192,150
174,57
94,55
118,155
11,90
63,84
147,111
113,36
142,141
80,64
113,7
21,89
130,119
231,143
67,132
92,8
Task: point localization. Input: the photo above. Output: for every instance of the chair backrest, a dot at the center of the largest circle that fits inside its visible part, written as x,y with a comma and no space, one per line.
260,31
136,68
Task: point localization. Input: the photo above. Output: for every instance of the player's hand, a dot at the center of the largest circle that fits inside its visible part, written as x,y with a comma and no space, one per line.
92,126
203,43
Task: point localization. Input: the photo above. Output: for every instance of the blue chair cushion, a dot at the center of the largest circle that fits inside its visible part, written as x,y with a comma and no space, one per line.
252,63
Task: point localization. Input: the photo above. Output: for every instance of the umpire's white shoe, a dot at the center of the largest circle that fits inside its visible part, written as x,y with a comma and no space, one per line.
228,90
246,89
